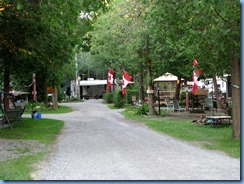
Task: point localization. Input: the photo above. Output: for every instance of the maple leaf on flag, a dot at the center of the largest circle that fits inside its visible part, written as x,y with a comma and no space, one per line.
110,77
195,75
126,79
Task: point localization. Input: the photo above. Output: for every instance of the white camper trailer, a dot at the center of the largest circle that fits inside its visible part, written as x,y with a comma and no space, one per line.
89,88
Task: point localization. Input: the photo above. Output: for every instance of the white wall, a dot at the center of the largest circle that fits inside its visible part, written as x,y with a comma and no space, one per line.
221,83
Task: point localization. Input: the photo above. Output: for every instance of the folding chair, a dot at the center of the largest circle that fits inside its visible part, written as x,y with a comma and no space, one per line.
20,113
170,107
177,106
208,104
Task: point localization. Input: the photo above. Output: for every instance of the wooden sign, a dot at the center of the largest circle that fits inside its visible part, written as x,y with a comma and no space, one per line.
50,89
201,92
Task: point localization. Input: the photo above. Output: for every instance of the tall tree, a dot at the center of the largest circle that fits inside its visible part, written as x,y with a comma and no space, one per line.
121,40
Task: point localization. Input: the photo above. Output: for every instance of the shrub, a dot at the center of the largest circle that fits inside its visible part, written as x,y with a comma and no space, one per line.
35,106
118,99
108,97
142,110
130,93
73,99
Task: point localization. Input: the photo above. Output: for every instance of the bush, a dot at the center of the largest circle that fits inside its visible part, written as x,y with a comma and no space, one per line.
35,106
130,93
108,97
142,110
118,99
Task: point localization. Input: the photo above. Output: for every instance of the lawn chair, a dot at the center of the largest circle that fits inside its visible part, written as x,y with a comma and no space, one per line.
20,113
170,107
177,106
8,116
4,118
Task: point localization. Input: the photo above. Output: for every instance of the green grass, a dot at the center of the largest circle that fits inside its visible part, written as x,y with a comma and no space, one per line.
208,137
51,110
18,169
61,109
43,130
112,106
20,150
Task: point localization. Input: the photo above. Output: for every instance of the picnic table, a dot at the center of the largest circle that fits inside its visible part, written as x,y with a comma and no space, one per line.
216,120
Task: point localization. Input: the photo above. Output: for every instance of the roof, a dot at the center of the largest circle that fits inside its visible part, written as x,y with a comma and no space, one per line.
166,77
93,82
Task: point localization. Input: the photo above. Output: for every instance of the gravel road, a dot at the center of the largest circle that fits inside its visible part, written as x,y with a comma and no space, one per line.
100,144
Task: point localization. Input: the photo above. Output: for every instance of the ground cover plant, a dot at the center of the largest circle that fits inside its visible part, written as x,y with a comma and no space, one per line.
42,130
43,108
208,137
61,109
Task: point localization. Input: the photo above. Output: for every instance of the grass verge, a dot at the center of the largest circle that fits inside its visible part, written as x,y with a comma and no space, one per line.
61,109
208,137
42,130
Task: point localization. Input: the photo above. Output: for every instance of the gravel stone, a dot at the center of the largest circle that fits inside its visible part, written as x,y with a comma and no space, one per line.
12,149
98,143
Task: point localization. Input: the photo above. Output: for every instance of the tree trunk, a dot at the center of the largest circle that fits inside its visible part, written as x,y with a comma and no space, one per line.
6,89
117,86
55,98
235,81
140,80
45,93
141,89
150,89
149,79
177,90
216,92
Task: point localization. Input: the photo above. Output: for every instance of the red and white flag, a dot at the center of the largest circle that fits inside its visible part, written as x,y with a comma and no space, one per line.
125,81
110,77
196,73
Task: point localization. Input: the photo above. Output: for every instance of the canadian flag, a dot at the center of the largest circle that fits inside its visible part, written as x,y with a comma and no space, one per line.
125,81
110,77
196,73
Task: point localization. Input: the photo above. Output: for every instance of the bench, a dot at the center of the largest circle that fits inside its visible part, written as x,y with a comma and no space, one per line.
216,120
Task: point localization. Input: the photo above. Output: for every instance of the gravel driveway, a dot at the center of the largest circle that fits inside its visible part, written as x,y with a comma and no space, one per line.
100,144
